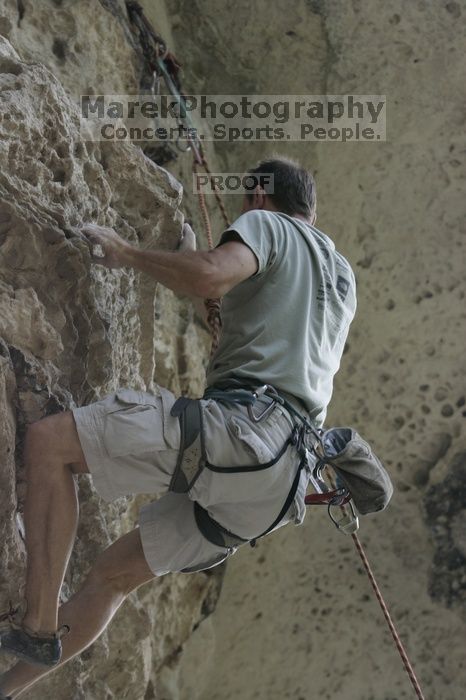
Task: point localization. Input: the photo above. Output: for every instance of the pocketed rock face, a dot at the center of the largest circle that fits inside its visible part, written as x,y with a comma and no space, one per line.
445,508
87,44
71,331
297,617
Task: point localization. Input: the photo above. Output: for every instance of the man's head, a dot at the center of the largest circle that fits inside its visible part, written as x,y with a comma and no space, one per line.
294,189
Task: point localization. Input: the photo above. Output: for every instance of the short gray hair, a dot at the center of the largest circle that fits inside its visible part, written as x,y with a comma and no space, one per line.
294,187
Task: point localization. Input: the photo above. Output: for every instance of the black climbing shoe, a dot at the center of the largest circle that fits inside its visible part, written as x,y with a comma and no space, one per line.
41,649
4,697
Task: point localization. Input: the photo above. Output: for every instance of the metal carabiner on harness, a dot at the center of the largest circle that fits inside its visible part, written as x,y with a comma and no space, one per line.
257,393
348,524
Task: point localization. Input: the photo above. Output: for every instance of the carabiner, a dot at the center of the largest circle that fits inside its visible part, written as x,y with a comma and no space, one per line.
265,413
349,523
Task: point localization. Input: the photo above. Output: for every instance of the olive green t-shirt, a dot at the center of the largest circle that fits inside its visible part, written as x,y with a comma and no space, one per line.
287,324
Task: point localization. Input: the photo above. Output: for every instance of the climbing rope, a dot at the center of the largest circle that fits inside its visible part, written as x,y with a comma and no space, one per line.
391,625
399,645
213,306
214,186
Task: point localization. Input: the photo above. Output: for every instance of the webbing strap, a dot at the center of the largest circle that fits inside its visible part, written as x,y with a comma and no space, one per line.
220,536
254,467
286,505
337,497
191,457
240,396
213,531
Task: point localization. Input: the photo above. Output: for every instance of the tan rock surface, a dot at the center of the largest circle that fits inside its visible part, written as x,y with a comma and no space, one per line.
296,617
71,331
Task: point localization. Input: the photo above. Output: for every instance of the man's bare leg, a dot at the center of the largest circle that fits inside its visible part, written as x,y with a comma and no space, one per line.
118,570
52,454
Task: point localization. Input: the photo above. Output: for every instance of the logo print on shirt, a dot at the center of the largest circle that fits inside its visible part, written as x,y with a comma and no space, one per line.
324,290
323,249
342,287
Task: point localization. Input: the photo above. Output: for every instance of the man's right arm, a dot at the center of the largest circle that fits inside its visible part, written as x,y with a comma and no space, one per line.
205,274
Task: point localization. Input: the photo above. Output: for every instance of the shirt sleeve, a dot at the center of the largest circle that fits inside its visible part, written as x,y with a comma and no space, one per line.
255,230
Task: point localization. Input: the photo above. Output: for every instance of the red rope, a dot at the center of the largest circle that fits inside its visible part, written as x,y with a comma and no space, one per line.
203,207
213,306
214,186
396,637
394,633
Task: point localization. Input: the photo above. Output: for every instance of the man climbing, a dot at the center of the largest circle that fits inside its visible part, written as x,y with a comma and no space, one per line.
229,466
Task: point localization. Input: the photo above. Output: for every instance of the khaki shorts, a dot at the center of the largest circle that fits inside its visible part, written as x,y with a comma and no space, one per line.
131,442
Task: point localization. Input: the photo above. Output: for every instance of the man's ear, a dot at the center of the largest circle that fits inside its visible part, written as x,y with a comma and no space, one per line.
258,197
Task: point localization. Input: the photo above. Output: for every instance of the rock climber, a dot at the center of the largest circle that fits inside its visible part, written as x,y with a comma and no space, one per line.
288,300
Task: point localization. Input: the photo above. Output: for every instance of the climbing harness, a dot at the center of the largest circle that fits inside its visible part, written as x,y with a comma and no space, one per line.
341,448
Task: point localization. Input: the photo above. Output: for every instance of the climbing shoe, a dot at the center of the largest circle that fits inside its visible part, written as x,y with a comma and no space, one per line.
35,648
4,697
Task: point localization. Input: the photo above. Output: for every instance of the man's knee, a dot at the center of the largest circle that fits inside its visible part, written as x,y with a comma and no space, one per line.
58,435
39,437
122,566
120,583
99,577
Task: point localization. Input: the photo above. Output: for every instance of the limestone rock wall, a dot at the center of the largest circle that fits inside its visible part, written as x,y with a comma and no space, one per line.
296,617
71,331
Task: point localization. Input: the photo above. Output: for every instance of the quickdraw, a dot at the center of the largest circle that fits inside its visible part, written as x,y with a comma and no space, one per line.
162,63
